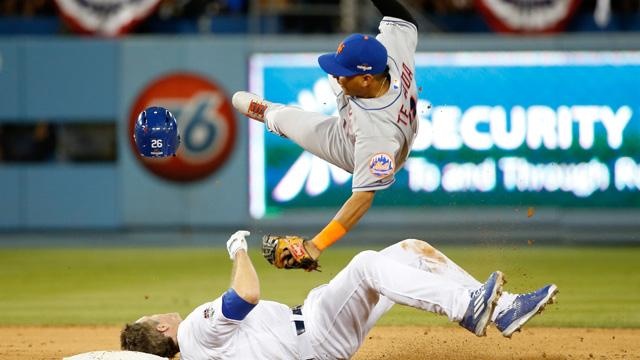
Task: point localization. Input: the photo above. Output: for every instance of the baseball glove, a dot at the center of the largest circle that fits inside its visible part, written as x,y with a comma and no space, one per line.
288,252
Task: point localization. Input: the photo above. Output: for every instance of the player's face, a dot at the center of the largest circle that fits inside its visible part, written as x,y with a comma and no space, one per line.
353,85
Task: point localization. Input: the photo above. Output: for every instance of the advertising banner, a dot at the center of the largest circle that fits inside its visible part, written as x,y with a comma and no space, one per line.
537,128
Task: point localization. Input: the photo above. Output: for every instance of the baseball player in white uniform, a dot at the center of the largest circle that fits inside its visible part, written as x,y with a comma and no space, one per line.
373,78
335,318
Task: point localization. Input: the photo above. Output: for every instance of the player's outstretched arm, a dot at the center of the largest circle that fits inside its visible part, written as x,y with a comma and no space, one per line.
394,9
351,212
244,293
245,279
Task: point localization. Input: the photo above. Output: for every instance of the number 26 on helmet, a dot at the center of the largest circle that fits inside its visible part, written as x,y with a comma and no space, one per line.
156,133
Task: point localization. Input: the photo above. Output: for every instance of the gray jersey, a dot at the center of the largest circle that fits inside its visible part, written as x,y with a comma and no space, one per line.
371,138
382,129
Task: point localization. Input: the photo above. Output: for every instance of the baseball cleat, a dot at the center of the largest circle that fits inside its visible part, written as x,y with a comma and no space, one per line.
523,308
250,104
483,302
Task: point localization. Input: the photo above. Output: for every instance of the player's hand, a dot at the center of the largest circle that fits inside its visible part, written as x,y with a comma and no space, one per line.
288,260
236,242
288,252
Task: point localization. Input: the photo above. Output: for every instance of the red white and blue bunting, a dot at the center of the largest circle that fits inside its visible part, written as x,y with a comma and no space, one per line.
527,16
105,17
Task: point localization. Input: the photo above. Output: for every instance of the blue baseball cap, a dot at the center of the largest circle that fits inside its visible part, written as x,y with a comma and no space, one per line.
356,55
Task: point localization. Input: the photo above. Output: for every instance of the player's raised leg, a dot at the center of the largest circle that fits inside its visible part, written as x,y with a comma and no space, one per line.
312,131
512,310
421,255
347,302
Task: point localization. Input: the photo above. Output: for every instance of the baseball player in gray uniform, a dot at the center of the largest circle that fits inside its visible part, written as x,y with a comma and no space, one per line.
373,78
335,318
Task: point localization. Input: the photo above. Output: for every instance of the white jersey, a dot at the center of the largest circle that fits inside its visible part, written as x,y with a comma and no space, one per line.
336,316
266,333
382,129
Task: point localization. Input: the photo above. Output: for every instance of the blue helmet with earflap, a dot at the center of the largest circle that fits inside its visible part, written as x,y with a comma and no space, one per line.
156,133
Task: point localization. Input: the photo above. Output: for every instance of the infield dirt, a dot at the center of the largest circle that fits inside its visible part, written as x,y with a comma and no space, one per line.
384,342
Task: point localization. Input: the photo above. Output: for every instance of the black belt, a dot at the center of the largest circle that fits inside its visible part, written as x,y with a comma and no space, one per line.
297,310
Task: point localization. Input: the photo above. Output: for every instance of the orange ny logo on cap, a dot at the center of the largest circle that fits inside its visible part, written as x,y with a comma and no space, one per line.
340,48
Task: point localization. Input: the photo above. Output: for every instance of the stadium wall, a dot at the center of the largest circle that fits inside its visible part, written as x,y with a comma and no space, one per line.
95,80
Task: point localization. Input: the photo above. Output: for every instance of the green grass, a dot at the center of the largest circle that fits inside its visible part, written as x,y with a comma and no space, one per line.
599,286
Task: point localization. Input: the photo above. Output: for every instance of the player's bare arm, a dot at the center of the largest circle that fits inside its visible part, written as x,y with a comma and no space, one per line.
354,208
244,279
349,215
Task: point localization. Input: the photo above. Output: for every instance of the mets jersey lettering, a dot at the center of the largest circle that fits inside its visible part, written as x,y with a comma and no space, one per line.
386,124
408,110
